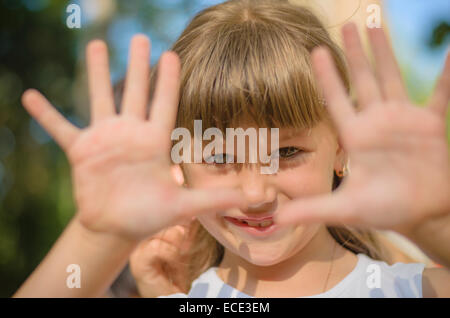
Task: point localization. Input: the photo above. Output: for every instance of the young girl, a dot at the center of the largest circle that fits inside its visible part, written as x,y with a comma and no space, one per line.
302,231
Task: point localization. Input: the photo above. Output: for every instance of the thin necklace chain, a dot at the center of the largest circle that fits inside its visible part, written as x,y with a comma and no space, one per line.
331,267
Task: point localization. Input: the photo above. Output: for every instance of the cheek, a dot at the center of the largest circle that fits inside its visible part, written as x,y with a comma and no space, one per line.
212,224
198,176
305,180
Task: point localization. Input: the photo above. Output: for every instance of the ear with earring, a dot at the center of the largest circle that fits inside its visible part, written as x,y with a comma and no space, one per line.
345,170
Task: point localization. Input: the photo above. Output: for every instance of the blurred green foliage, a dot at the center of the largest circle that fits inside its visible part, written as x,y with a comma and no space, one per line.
440,33
38,50
35,189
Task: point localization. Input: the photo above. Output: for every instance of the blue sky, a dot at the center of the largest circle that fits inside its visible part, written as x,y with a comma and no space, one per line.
410,23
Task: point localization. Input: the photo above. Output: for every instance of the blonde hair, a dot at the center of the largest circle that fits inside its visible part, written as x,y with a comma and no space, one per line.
251,58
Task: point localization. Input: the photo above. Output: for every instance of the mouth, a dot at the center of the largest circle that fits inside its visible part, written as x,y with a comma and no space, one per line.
259,227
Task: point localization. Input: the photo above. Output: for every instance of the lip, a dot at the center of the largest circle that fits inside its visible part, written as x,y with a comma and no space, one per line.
253,231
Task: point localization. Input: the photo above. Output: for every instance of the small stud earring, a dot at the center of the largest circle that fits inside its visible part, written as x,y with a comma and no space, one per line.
343,172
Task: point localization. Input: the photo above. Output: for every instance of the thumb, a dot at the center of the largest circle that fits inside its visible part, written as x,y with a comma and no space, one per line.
196,202
328,208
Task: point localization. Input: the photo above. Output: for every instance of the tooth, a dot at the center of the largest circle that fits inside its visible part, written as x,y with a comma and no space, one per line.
265,223
259,224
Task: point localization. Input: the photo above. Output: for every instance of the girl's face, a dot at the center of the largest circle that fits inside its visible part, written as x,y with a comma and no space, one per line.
306,164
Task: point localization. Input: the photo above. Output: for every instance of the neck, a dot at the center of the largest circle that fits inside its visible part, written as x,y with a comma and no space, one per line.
319,265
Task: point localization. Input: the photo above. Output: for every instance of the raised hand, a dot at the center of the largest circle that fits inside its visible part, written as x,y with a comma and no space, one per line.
399,159
120,163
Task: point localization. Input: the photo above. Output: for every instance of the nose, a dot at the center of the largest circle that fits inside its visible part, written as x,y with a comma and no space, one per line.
258,191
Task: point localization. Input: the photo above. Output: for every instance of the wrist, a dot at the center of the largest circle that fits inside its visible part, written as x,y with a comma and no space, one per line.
99,238
100,258
428,227
436,217
432,236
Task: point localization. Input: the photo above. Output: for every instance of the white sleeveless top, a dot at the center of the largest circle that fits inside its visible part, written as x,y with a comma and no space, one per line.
369,279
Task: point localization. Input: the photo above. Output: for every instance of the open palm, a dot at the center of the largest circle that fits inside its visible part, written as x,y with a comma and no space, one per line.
121,163
398,153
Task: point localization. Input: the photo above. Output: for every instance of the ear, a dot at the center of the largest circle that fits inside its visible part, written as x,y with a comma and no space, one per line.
341,157
177,174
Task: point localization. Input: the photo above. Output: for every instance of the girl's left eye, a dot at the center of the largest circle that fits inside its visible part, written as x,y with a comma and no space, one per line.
288,152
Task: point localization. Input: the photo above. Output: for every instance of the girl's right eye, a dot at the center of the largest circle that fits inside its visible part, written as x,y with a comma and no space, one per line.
221,163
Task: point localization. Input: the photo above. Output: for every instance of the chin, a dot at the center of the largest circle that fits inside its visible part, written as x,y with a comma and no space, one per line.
262,254
265,261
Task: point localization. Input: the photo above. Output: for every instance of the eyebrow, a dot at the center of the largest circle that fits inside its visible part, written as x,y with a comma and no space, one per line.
295,132
288,133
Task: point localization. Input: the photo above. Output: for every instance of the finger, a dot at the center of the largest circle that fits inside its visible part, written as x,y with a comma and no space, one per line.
153,257
440,99
137,81
62,131
100,90
158,250
332,209
365,83
338,102
197,202
163,111
173,235
164,253
388,71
